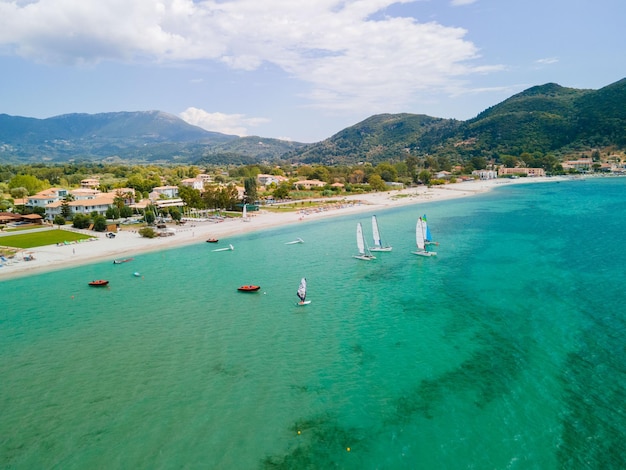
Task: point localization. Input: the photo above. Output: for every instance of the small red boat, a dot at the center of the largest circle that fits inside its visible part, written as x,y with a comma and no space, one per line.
212,240
99,283
248,288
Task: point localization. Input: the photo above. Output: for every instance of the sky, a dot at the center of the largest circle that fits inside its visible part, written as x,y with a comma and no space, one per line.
299,70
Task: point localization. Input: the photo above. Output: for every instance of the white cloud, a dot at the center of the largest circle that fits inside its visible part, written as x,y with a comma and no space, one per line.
232,124
547,61
456,3
348,59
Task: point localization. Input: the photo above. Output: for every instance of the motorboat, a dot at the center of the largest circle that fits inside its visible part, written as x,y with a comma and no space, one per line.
248,288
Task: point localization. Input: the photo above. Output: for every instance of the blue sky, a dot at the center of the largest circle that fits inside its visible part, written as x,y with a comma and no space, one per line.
299,69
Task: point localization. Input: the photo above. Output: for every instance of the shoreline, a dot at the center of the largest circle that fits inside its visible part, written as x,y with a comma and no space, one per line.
128,243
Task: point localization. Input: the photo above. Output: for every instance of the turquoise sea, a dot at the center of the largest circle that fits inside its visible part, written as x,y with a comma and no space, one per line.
506,351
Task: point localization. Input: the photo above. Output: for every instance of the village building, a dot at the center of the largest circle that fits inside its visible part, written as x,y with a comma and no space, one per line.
194,183
309,184
48,196
266,180
530,172
90,183
98,204
159,192
582,164
84,194
485,174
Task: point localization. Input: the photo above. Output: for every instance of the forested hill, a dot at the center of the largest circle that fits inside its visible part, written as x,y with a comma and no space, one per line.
542,119
546,119
142,136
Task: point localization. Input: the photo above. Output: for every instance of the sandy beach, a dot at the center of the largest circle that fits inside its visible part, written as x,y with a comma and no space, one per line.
128,243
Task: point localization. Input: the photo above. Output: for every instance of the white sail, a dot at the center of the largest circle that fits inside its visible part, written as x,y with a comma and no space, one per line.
420,238
302,290
376,233
360,242
378,241
364,252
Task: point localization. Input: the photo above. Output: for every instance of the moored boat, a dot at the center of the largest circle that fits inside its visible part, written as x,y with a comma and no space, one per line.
212,240
120,261
99,283
248,288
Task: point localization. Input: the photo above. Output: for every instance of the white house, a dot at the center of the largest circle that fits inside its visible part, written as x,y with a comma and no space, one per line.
85,193
266,180
195,183
90,183
166,191
48,196
308,184
485,174
98,205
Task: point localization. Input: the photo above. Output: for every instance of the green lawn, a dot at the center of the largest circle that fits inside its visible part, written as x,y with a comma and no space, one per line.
48,237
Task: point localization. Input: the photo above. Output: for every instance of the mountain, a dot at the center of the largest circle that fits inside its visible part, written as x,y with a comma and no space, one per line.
545,119
149,135
378,138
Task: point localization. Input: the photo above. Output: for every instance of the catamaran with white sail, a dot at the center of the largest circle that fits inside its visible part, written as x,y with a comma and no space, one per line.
301,293
378,242
364,252
420,239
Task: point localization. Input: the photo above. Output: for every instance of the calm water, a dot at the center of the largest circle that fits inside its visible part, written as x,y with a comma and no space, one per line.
507,350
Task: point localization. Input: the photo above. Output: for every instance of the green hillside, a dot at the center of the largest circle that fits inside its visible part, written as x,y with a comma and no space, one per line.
542,120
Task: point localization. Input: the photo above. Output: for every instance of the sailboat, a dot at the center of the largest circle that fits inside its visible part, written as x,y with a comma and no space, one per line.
301,293
364,252
378,243
244,216
420,238
428,238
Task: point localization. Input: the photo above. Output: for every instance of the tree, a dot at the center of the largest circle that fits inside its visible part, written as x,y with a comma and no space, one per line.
149,215
250,194
191,197
99,223
30,182
227,196
19,193
59,220
126,212
175,214
376,182
112,213
282,191
147,232
386,171
66,211
411,164
81,221
424,176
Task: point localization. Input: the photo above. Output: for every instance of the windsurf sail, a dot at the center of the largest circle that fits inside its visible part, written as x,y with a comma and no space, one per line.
302,290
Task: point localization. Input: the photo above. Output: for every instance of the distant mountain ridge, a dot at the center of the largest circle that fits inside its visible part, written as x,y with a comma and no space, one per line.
544,119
